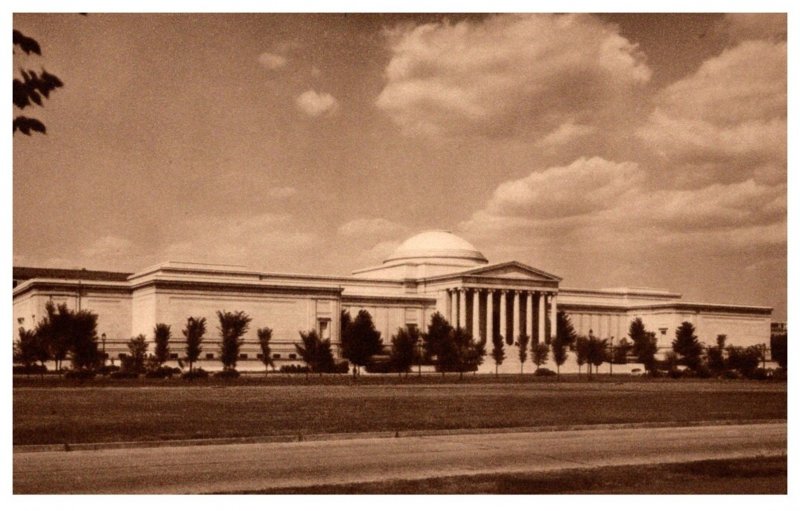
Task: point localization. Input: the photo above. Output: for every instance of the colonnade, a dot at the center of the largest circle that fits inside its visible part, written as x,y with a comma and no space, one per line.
508,312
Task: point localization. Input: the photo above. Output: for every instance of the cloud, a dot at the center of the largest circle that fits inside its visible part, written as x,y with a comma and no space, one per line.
282,192
272,61
369,227
728,118
314,104
592,202
509,75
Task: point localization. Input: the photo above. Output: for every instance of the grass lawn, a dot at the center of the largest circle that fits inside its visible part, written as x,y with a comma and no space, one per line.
56,411
761,476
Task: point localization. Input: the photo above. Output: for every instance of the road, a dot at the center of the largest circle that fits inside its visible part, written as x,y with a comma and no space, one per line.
243,467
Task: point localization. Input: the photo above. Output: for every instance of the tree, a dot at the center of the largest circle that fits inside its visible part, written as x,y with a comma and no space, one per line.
581,349
744,360
404,344
264,337
563,341
54,331
540,353
83,334
522,344
137,351
596,352
193,333
26,348
498,353
315,352
715,355
621,350
31,86
777,346
644,345
361,341
436,340
161,335
687,347
467,354
232,327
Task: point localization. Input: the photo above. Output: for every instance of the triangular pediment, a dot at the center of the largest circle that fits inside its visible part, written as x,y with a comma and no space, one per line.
513,270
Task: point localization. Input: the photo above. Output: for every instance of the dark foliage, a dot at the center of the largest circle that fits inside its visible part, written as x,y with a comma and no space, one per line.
227,373
644,344
743,360
522,350
293,368
193,333
124,375
715,356
620,351
161,335
315,352
778,349
404,347
80,374
137,353
687,346
498,352
232,327
540,352
264,338
435,340
195,374
162,372
460,352
543,371
564,340
31,87
360,340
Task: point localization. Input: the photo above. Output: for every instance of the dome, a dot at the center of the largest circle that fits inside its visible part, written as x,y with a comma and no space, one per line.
437,245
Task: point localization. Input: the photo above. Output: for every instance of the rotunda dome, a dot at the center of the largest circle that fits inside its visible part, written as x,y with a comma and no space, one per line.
437,246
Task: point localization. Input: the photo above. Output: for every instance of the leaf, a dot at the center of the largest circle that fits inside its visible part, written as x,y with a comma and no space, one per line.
20,94
26,44
27,124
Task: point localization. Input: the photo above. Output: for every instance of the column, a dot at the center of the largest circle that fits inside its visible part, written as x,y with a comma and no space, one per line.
462,308
553,316
453,319
489,318
515,316
448,305
529,316
541,317
476,314
502,321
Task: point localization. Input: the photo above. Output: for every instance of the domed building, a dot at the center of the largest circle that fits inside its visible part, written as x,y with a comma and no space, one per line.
433,271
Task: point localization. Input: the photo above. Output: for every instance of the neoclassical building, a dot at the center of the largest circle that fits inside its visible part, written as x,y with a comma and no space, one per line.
434,271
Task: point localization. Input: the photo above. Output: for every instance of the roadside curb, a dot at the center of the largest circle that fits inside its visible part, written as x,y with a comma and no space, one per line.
301,437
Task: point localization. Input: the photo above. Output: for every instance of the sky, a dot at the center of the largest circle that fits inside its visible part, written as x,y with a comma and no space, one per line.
612,150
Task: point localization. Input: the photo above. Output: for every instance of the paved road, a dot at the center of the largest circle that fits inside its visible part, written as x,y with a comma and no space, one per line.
242,467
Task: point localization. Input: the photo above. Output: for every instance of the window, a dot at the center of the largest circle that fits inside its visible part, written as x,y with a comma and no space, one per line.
173,356
276,356
324,328
292,356
209,356
260,356
243,356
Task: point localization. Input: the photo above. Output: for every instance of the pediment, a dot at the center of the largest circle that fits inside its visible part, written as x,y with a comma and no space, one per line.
513,270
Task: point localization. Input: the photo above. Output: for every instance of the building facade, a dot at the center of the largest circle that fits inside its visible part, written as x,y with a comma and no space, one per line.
434,271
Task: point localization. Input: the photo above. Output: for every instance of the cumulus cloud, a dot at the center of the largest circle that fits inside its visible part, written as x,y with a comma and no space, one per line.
728,118
368,227
594,200
272,61
315,104
509,75
282,192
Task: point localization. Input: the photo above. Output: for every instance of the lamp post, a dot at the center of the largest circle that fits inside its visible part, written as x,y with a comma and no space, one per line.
105,355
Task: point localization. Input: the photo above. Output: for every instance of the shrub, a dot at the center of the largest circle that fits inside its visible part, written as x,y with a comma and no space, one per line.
33,369
731,374
342,367
379,366
703,371
760,374
227,373
293,368
80,374
107,369
543,371
124,375
195,373
162,372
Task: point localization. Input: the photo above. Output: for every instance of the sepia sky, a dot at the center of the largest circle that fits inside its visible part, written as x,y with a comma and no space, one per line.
612,150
